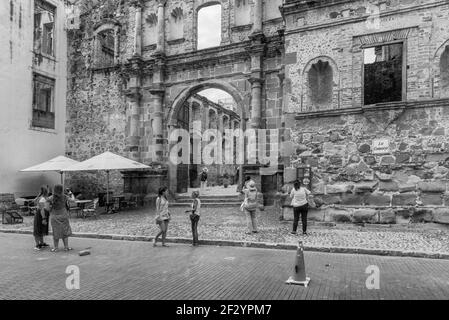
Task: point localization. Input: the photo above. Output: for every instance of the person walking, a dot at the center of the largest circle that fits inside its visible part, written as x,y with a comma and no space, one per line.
195,216
203,179
40,228
300,206
162,215
59,218
250,206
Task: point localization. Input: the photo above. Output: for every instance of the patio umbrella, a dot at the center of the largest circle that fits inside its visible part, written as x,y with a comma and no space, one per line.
57,164
107,161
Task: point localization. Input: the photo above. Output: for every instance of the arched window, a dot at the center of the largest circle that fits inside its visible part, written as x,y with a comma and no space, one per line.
444,73
209,27
176,24
320,85
106,46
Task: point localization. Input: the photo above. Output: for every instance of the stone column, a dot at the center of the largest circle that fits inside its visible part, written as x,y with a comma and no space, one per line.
161,27
138,30
258,16
158,129
256,102
133,141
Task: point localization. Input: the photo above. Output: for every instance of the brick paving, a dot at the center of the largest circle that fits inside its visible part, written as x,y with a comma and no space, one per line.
229,224
135,270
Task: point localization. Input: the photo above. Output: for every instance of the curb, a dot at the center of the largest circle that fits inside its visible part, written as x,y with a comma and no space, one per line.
259,245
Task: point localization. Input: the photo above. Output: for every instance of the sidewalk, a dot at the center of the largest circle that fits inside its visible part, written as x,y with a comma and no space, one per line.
229,225
120,270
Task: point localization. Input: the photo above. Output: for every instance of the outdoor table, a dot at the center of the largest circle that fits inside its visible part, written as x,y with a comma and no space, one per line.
82,203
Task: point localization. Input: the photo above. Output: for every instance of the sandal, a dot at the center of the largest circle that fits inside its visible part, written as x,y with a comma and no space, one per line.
54,250
68,249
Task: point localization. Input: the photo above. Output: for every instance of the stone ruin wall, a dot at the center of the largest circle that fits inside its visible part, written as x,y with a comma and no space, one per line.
410,180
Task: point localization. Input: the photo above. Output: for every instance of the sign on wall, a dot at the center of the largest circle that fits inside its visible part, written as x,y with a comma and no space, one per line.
381,146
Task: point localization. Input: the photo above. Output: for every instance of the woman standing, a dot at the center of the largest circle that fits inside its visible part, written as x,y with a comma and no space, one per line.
162,215
300,206
195,214
40,229
59,218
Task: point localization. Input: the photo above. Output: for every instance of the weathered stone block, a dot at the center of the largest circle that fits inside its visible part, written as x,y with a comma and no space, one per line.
387,216
367,186
339,188
315,215
422,215
390,186
378,200
364,148
387,160
404,199
407,187
441,215
352,200
384,176
318,189
338,215
431,199
366,216
327,200
432,187
402,158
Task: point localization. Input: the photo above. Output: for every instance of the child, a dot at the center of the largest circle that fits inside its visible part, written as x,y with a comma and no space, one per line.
195,216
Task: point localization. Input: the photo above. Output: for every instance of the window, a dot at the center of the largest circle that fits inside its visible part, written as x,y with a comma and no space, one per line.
105,46
383,78
209,27
444,72
320,89
43,102
44,22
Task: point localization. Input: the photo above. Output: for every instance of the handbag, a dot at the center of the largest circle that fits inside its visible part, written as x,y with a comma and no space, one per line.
311,201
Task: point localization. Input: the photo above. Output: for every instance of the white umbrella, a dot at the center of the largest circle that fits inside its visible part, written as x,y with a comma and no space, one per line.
106,162
57,164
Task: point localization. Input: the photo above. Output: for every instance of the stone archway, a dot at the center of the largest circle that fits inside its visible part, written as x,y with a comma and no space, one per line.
179,102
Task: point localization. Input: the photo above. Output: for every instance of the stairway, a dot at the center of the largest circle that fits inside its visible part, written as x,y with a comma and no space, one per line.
208,201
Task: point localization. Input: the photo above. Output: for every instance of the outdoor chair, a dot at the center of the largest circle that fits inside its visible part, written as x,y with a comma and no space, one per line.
91,209
130,201
11,217
74,208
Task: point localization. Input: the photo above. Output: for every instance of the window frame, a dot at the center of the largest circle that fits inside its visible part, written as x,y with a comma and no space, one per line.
36,78
54,7
404,69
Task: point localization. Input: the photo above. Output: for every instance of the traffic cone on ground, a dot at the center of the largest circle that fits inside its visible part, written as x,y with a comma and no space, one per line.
299,273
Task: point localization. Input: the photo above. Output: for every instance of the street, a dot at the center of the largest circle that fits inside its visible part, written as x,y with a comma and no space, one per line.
137,270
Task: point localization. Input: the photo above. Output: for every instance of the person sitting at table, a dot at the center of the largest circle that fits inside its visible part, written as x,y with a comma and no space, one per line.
40,227
70,194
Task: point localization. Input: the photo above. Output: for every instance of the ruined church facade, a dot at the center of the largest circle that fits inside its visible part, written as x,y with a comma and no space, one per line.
359,89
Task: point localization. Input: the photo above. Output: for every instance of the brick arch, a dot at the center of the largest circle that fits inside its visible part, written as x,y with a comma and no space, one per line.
335,101
437,90
179,101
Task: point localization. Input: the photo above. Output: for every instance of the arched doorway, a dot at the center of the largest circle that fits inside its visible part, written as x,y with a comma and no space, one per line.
207,106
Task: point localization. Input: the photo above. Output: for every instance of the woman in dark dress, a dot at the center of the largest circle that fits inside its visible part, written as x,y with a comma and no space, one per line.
59,218
40,229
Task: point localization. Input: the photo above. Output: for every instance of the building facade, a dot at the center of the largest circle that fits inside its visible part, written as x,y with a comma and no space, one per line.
33,82
357,89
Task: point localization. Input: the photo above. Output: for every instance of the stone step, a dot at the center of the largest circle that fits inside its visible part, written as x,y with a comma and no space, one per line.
208,204
209,197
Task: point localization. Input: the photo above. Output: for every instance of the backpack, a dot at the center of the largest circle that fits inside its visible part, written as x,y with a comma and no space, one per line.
251,200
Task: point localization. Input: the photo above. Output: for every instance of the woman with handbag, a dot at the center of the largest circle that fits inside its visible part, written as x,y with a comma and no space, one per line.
300,206
162,215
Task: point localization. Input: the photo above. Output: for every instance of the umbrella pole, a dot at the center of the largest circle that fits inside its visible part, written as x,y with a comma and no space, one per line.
62,180
107,188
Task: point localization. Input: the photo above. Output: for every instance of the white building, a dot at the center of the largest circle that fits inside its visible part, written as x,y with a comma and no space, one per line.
33,82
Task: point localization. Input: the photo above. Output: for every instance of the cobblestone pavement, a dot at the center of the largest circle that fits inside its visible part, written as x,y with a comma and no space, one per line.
136,270
230,224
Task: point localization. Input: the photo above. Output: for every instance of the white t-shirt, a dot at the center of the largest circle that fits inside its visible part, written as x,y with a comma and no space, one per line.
299,197
198,207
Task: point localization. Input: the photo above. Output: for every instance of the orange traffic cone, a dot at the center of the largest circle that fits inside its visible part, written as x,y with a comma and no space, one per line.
299,275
